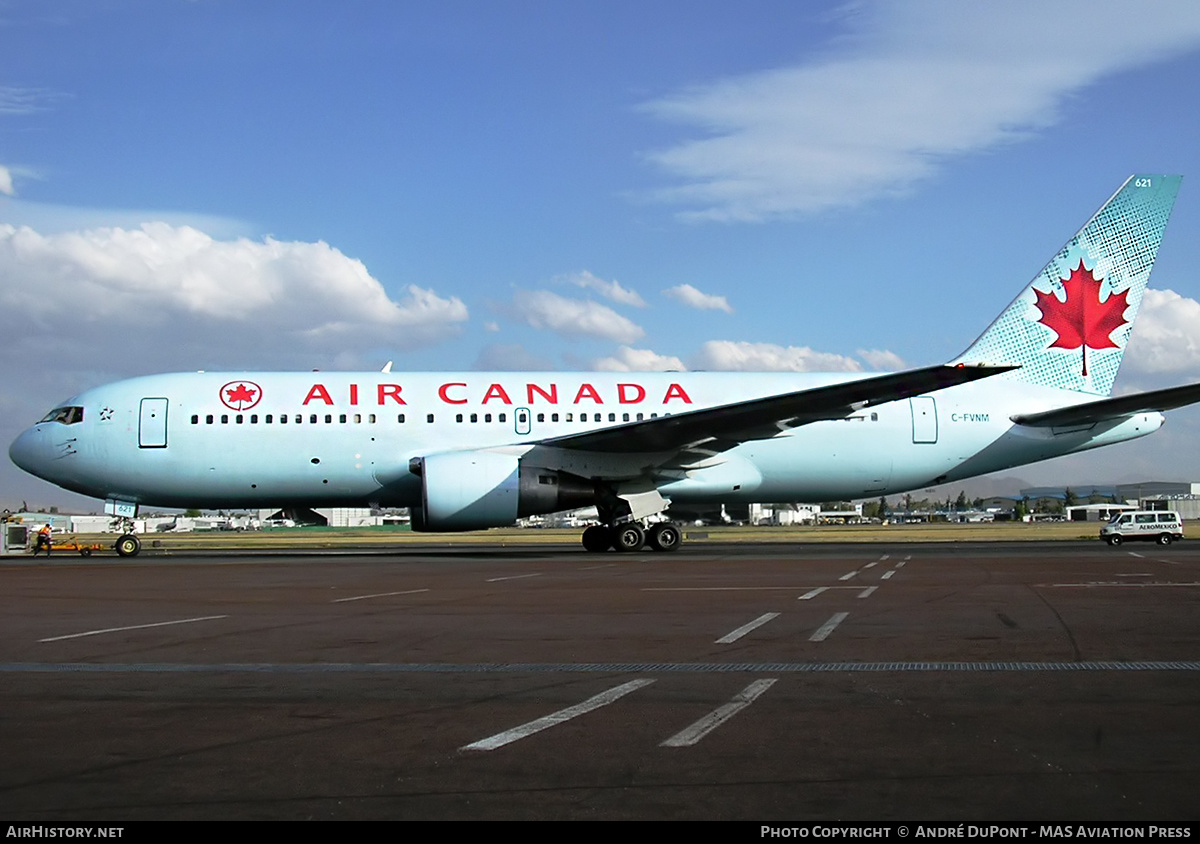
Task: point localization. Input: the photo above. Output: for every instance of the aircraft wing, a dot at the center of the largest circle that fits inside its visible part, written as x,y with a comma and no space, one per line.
725,426
1116,408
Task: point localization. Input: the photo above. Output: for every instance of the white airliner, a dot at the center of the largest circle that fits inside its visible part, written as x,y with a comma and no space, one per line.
474,450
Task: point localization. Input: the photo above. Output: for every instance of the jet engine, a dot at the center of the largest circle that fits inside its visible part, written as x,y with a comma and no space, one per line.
472,490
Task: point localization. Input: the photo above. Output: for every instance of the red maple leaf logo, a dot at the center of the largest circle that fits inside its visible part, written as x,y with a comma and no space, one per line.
1083,320
240,395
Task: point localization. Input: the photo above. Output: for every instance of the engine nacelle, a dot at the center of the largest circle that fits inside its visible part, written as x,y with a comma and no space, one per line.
472,490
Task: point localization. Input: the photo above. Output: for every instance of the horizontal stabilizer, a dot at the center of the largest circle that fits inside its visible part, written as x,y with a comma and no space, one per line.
1109,409
727,425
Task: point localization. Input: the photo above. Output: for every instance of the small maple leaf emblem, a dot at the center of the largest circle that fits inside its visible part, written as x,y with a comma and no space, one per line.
1082,320
240,395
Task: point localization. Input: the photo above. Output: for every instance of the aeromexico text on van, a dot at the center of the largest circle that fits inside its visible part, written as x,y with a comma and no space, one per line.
461,392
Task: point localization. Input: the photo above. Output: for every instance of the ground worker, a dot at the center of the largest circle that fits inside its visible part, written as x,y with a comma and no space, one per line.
43,540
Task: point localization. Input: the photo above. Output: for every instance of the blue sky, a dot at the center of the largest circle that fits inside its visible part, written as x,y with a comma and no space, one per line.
575,185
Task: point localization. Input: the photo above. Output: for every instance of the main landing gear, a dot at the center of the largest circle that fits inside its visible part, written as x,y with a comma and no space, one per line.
631,536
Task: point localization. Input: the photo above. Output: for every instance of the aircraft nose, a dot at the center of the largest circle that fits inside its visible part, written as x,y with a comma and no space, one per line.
28,451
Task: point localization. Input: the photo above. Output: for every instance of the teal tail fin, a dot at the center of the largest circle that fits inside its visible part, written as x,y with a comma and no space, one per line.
1069,327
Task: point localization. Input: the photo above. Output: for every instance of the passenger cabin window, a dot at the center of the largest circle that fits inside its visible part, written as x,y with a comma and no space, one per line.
65,415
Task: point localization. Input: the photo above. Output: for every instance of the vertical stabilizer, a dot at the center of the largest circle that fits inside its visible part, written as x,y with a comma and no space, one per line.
1069,327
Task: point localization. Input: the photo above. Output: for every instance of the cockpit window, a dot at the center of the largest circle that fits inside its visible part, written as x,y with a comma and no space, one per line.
65,415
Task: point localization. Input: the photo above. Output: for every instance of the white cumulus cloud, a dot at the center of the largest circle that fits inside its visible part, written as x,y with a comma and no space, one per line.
1166,338
882,360
628,359
742,356
176,295
611,290
910,86
544,309
687,295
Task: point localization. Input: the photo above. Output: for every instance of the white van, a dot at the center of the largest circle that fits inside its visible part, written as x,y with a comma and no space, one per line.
1161,526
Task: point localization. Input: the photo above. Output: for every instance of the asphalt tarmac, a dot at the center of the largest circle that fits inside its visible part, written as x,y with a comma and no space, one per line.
962,682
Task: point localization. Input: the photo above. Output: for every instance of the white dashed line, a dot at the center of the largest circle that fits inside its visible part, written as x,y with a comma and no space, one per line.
132,627
746,628
513,577
377,595
812,593
866,593
887,575
825,629
526,730
690,735
848,575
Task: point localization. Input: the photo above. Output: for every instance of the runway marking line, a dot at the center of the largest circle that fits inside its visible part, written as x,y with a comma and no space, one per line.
556,718
132,627
729,638
848,575
692,734
828,627
512,577
887,575
377,595
812,593
1127,585
720,588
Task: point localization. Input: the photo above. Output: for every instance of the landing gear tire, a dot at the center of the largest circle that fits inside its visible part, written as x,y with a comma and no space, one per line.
628,537
665,536
128,545
597,538
1165,539
1114,541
